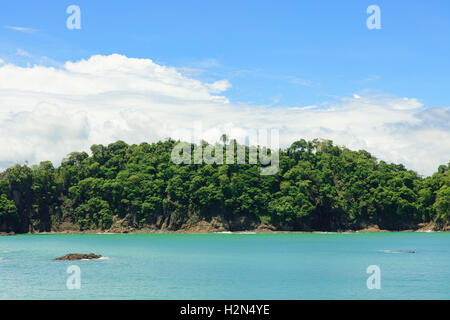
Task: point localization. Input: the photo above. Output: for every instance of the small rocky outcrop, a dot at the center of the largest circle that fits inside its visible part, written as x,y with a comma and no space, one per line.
79,256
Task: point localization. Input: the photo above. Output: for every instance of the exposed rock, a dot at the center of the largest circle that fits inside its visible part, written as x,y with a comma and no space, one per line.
426,227
79,256
121,226
216,224
7,233
266,228
243,223
119,229
66,226
373,228
165,223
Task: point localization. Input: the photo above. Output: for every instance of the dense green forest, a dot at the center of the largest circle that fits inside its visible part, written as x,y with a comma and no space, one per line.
319,186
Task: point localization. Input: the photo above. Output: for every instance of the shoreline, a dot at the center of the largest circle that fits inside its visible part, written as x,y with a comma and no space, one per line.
254,231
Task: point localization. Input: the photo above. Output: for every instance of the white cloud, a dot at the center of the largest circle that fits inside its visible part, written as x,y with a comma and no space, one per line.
302,108
23,53
21,29
301,82
219,86
47,112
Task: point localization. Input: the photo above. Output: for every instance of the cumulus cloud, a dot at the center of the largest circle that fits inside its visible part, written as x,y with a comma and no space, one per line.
47,112
219,86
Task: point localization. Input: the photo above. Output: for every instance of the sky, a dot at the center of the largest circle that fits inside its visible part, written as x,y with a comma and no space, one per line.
146,70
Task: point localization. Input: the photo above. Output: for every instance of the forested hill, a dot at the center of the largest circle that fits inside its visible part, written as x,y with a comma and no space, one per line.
319,186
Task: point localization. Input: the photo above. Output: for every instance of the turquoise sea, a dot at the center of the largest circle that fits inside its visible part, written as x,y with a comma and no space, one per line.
228,266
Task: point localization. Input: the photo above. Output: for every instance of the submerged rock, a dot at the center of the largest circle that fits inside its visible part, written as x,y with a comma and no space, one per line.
79,256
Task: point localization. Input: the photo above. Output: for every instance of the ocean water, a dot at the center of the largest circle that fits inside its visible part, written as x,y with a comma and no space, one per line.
228,266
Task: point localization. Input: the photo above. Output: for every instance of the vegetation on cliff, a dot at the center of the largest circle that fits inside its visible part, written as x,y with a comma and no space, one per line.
319,186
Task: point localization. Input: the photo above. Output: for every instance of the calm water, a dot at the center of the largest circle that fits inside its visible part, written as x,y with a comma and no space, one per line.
228,266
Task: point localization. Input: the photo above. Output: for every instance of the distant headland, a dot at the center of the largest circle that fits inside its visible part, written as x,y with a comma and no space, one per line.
137,188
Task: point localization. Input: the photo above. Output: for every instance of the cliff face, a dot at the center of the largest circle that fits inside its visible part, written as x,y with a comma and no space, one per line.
174,224
220,224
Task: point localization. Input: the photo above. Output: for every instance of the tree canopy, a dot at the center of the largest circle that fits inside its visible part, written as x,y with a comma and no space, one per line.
319,186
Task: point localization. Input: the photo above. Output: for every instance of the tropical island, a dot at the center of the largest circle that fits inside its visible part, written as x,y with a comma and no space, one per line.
130,188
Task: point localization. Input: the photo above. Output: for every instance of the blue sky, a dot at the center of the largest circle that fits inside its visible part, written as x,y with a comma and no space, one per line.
149,70
283,53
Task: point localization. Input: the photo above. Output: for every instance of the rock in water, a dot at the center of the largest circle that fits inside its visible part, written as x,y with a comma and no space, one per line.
79,256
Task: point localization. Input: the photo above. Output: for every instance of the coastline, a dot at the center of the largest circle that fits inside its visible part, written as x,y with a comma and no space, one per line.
371,229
